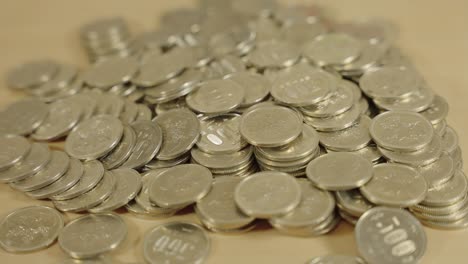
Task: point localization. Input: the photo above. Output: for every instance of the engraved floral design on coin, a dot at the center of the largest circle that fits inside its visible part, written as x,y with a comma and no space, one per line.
23,117
395,185
339,171
94,138
30,228
13,150
92,235
401,130
390,235
216,97
270,126
149,138
196,244
181,130
267,194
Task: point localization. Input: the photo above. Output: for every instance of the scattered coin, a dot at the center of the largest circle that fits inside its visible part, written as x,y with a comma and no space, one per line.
123,150
149,139
14,149
31,74
23,117
111,72
332,49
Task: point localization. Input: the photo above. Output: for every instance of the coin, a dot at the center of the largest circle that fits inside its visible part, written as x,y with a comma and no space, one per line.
352,202
216,97
111,72
109,104
220,134
218,207
274,54
148,143
34,161
452,191
270,126
335,123
128,184
92,235
91,198
350,139
181,130
180,185
94,138
418,101
196,249
129,113
339,171
30,228
57,166
14,149
222,161
332,49
401,130
160,164
302,31
336,259
395,185
65,75
93,171
123,150
371,153
437,111
256,87
23,117
31,74
450,140
144,113
375,230
267,194
303,86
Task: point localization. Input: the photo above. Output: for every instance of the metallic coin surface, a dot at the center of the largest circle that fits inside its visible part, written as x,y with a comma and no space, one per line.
111,72
57,166
31,74
352,202
449,193
256,87
332,49
267,194
180,185
109,104
336,259
34,161
270,126
339,171
438,110
93,171
194,248
94,138
149,138
123,150
389,235
23,117
14,149
438,172
389,82
335,123
181,130
417,101
350,139
274,54
395,185
401,130
450,140
92,235
144,113
30,228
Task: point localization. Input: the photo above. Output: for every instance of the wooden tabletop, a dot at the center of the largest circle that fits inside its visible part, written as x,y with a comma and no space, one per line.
433,33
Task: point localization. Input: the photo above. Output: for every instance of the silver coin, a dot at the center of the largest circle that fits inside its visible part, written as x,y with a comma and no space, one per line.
93,171
30,228
256,87
23,117
371,153
440,210
389,235
129,113
193,244
174,104
180,185
226,65
148,143
440,128
176,87
335,123
109,104
144,113
87,99
389,82
339,171
350,139
94,138
220,134
395,185
65,75
371,54
302,31
222,161
160,164
418,101
437,111
111,72
31,74
449,193
456,225
181,130
65,182
332,49
267,194
123,150
57,166
401,130
128,184
450,140
92,235
71,88
14,149
270,126
34,161
63,116
315,207
91,198
274,54
450,217
218,207
303,86
353,202
215,97
336,259
422,157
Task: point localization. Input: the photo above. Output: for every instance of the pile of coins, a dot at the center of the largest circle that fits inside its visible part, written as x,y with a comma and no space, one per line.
284,116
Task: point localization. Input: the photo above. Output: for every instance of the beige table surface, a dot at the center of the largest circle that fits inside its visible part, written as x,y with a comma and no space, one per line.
433,32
